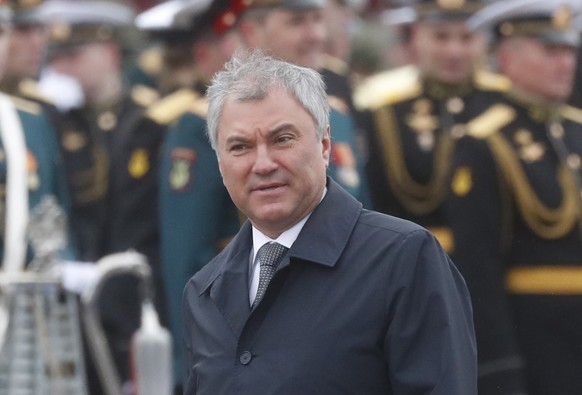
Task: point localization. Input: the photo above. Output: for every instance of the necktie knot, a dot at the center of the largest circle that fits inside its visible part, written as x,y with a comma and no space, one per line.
271,253
269,256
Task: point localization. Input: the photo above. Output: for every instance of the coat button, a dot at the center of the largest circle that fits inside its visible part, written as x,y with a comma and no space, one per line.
245,358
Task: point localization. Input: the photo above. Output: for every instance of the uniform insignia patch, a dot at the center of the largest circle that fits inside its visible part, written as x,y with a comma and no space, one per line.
462,181
32,168
182,172
343,157
73,140
139,163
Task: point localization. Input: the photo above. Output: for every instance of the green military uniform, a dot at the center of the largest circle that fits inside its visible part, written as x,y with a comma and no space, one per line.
44,163
412,125
346,165
197,214
348,156
515,210
28,89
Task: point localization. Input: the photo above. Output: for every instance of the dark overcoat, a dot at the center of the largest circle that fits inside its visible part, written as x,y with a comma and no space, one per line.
362,303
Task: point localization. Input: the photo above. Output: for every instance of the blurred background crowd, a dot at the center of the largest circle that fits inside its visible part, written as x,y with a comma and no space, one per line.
460,115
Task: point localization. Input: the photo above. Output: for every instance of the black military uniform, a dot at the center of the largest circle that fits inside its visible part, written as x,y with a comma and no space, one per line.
111,155
412,122
515,212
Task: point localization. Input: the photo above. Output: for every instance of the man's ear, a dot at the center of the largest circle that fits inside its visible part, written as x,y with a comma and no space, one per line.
326,146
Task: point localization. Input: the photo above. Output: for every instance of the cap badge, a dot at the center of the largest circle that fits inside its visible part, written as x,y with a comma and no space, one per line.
562,18
451,4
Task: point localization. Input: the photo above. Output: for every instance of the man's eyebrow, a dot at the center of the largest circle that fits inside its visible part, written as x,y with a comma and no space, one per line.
273,132
237,139
281,128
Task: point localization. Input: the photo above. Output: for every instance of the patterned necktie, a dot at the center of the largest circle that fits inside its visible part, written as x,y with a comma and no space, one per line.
269,256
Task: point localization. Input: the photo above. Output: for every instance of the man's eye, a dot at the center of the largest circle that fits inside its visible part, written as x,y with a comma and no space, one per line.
284,138
237,148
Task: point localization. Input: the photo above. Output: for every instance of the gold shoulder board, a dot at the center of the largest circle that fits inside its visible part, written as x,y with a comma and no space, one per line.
491,121
151,61
29,88
572,113
171,107
26,105
336,65
200,107
387,88
144,95
489,80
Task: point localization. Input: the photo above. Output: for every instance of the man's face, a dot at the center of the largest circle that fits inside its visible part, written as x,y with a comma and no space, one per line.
296,36
271,160
446,51
543,70
26,51
90,64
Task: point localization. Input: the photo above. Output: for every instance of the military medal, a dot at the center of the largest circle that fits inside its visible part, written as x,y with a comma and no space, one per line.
139,163
424,124
32,167
343,157
73,140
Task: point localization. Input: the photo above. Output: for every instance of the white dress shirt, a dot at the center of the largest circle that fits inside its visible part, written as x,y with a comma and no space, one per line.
286,238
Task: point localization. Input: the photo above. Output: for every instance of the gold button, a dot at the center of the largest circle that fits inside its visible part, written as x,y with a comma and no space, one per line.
574,161
107,121
455,105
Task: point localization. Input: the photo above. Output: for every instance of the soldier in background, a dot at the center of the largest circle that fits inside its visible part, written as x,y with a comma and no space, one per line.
31,166
111,150
165,65
27,49
27,52
416,111
197,216
515,206
295,31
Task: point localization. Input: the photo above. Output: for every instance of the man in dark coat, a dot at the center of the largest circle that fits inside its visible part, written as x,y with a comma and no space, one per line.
360,303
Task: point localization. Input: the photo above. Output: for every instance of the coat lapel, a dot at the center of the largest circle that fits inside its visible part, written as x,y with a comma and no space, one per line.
230,289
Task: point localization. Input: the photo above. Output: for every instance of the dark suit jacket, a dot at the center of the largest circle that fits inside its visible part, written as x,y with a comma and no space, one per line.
362,303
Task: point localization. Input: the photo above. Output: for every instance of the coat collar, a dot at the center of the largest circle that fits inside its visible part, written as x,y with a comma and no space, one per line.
321,241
